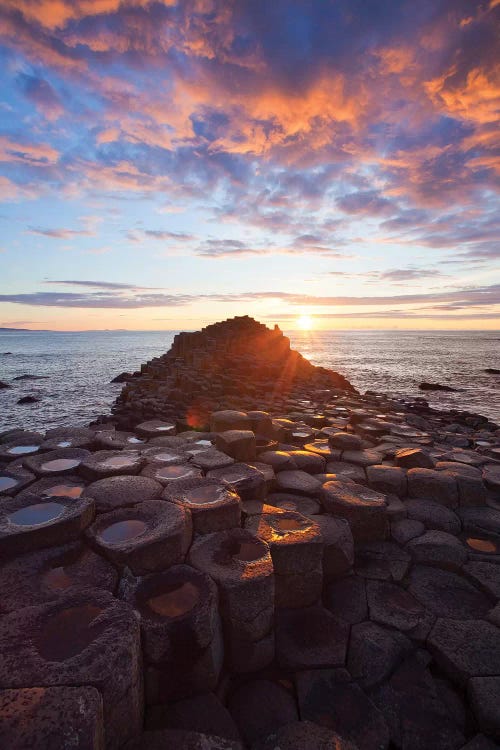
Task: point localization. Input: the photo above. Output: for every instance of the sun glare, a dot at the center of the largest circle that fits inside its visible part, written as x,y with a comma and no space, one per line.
305,322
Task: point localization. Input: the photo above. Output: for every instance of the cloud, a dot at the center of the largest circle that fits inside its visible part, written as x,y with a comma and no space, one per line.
61,234
97,284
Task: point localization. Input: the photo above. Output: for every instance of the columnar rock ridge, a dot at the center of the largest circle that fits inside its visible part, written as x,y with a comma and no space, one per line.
322,575
238,363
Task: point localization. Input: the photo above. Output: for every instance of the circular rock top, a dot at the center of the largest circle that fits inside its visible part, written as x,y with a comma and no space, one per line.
155,428
285,528
171,473
65,485
111,463
148,537
122,491
232,556
34,521
61,461
214,505
349,494
25,445
115,439
14,480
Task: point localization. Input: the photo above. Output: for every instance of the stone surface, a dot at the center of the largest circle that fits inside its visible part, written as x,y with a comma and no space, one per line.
374,652
212,504
393,606
390,480
310,638
439,549
201,713
247,481
122,491
405,529
338,546
51,717
239,444
260,707
484,693
346,599
364,509
439,486
433,515
301,735
384,561
447,594
297,482
465,648
413,458
329,698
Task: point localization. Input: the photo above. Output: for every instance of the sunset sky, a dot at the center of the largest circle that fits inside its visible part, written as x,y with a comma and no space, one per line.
169,164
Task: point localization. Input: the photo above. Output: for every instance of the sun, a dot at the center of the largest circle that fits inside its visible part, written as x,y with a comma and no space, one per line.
305,322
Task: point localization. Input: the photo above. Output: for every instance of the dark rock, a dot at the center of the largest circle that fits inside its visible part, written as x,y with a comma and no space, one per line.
51,717
374,653
413,458
329,698
435,387
181,739
492,371
310,638
438,548
122,491
484,695
364,509
465,648
260,707
28,400
433,515
382,561
405,529
392,606
346,599
447,594
303,734
123,377
200,713
3,385
212,504
31,377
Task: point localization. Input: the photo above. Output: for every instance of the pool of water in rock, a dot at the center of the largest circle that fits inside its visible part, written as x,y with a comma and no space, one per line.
61,464
483,545
34,515
175,601
166,457
64,490
174,472
288,524
118,462
123,531
57,578
246,550
23,450
65,444
69,632
6,483
134,440
204,495
165,427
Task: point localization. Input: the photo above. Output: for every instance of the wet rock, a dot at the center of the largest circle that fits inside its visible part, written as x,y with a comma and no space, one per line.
39,577
85,639
310,462
145,538
433,515
298,503
28,400
439,549
31,377
344,440
279,460
4,385
435,387
330,698
465,648
484,694
228,419
310,638
61,461
364,509
171,474
51,717
437,485
302,734
417,717
365,457
447,594
374,653
33,522
345,470
239,444
346,599
390,480
492,371
260,707
413,458
155,428
122,491
123,377
213,505
14,479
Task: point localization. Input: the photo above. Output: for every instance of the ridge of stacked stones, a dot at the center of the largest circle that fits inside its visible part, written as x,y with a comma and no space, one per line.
237,363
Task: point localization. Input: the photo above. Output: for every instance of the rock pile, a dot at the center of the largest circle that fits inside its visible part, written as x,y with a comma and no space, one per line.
236,364
323,576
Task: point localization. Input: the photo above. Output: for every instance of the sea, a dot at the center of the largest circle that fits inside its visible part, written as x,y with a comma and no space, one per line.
77,368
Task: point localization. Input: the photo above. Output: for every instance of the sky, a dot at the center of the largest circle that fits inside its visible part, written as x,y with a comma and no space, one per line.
164,165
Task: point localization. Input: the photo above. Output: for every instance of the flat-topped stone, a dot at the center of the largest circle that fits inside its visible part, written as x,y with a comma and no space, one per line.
310,637
447,594
239,444
171,473
413,458
64,485
145,538
439,549
363,508
34,521
85,639
465,648
155,428
38,577
298,482
245,479
111,463
122,491
51,717
374,652
14,479
213,505
61,461
439,486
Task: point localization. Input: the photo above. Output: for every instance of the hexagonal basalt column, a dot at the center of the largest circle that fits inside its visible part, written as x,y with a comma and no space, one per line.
53,717
122,492
213,505
145,538
248,482
61,461
42,576
21,447
33,522
117,440
85,639
297,550
66,485
168,474
365,509
239,444
155,428
178,610
220,421
111,463
242,567
14,480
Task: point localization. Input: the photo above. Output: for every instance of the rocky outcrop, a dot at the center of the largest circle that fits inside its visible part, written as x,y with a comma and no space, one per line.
236,364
